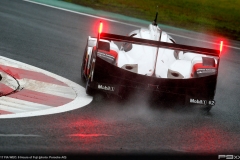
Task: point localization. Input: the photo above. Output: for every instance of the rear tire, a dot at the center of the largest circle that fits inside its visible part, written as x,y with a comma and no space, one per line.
82,74
88,89
83,66
207,108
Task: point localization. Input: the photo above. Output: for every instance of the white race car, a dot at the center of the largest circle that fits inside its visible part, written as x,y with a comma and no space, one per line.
150,60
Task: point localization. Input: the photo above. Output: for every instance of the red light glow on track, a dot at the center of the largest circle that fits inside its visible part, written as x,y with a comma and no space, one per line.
89,135
208,140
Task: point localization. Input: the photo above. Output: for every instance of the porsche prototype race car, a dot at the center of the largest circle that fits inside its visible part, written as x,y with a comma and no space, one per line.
150,60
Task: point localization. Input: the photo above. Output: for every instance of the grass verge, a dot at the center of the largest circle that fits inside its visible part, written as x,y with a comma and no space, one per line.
221,17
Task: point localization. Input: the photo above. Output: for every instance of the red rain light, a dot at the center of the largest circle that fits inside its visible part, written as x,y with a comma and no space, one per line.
100,28
221,46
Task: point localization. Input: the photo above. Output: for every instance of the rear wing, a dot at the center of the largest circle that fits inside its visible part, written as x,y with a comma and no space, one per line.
199,50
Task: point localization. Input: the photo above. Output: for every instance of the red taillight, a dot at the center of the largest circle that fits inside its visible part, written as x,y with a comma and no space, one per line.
221,46
100,28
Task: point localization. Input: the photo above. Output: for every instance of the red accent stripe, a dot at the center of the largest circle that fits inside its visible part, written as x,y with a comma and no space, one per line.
41,98
4,112
4,89
19,73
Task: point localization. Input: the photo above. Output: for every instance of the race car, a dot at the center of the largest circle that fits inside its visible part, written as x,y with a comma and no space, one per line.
150,60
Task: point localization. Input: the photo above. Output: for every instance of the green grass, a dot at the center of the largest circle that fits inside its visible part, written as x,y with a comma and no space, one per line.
217,17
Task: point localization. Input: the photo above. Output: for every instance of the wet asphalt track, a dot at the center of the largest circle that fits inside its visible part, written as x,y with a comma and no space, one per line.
54,40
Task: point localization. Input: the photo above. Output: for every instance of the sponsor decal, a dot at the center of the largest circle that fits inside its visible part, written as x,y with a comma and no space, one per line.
105,87
206,70
203,102
104,55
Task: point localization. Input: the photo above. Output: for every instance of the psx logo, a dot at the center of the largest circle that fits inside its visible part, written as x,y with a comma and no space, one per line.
228,157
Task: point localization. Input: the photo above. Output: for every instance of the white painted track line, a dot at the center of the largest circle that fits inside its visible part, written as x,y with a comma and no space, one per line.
19,135
111,20
84,14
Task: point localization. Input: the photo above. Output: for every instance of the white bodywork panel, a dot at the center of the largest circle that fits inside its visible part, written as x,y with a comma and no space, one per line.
158,62
143,56
152,61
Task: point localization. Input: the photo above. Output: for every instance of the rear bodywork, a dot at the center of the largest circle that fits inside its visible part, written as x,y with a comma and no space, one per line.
191,77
